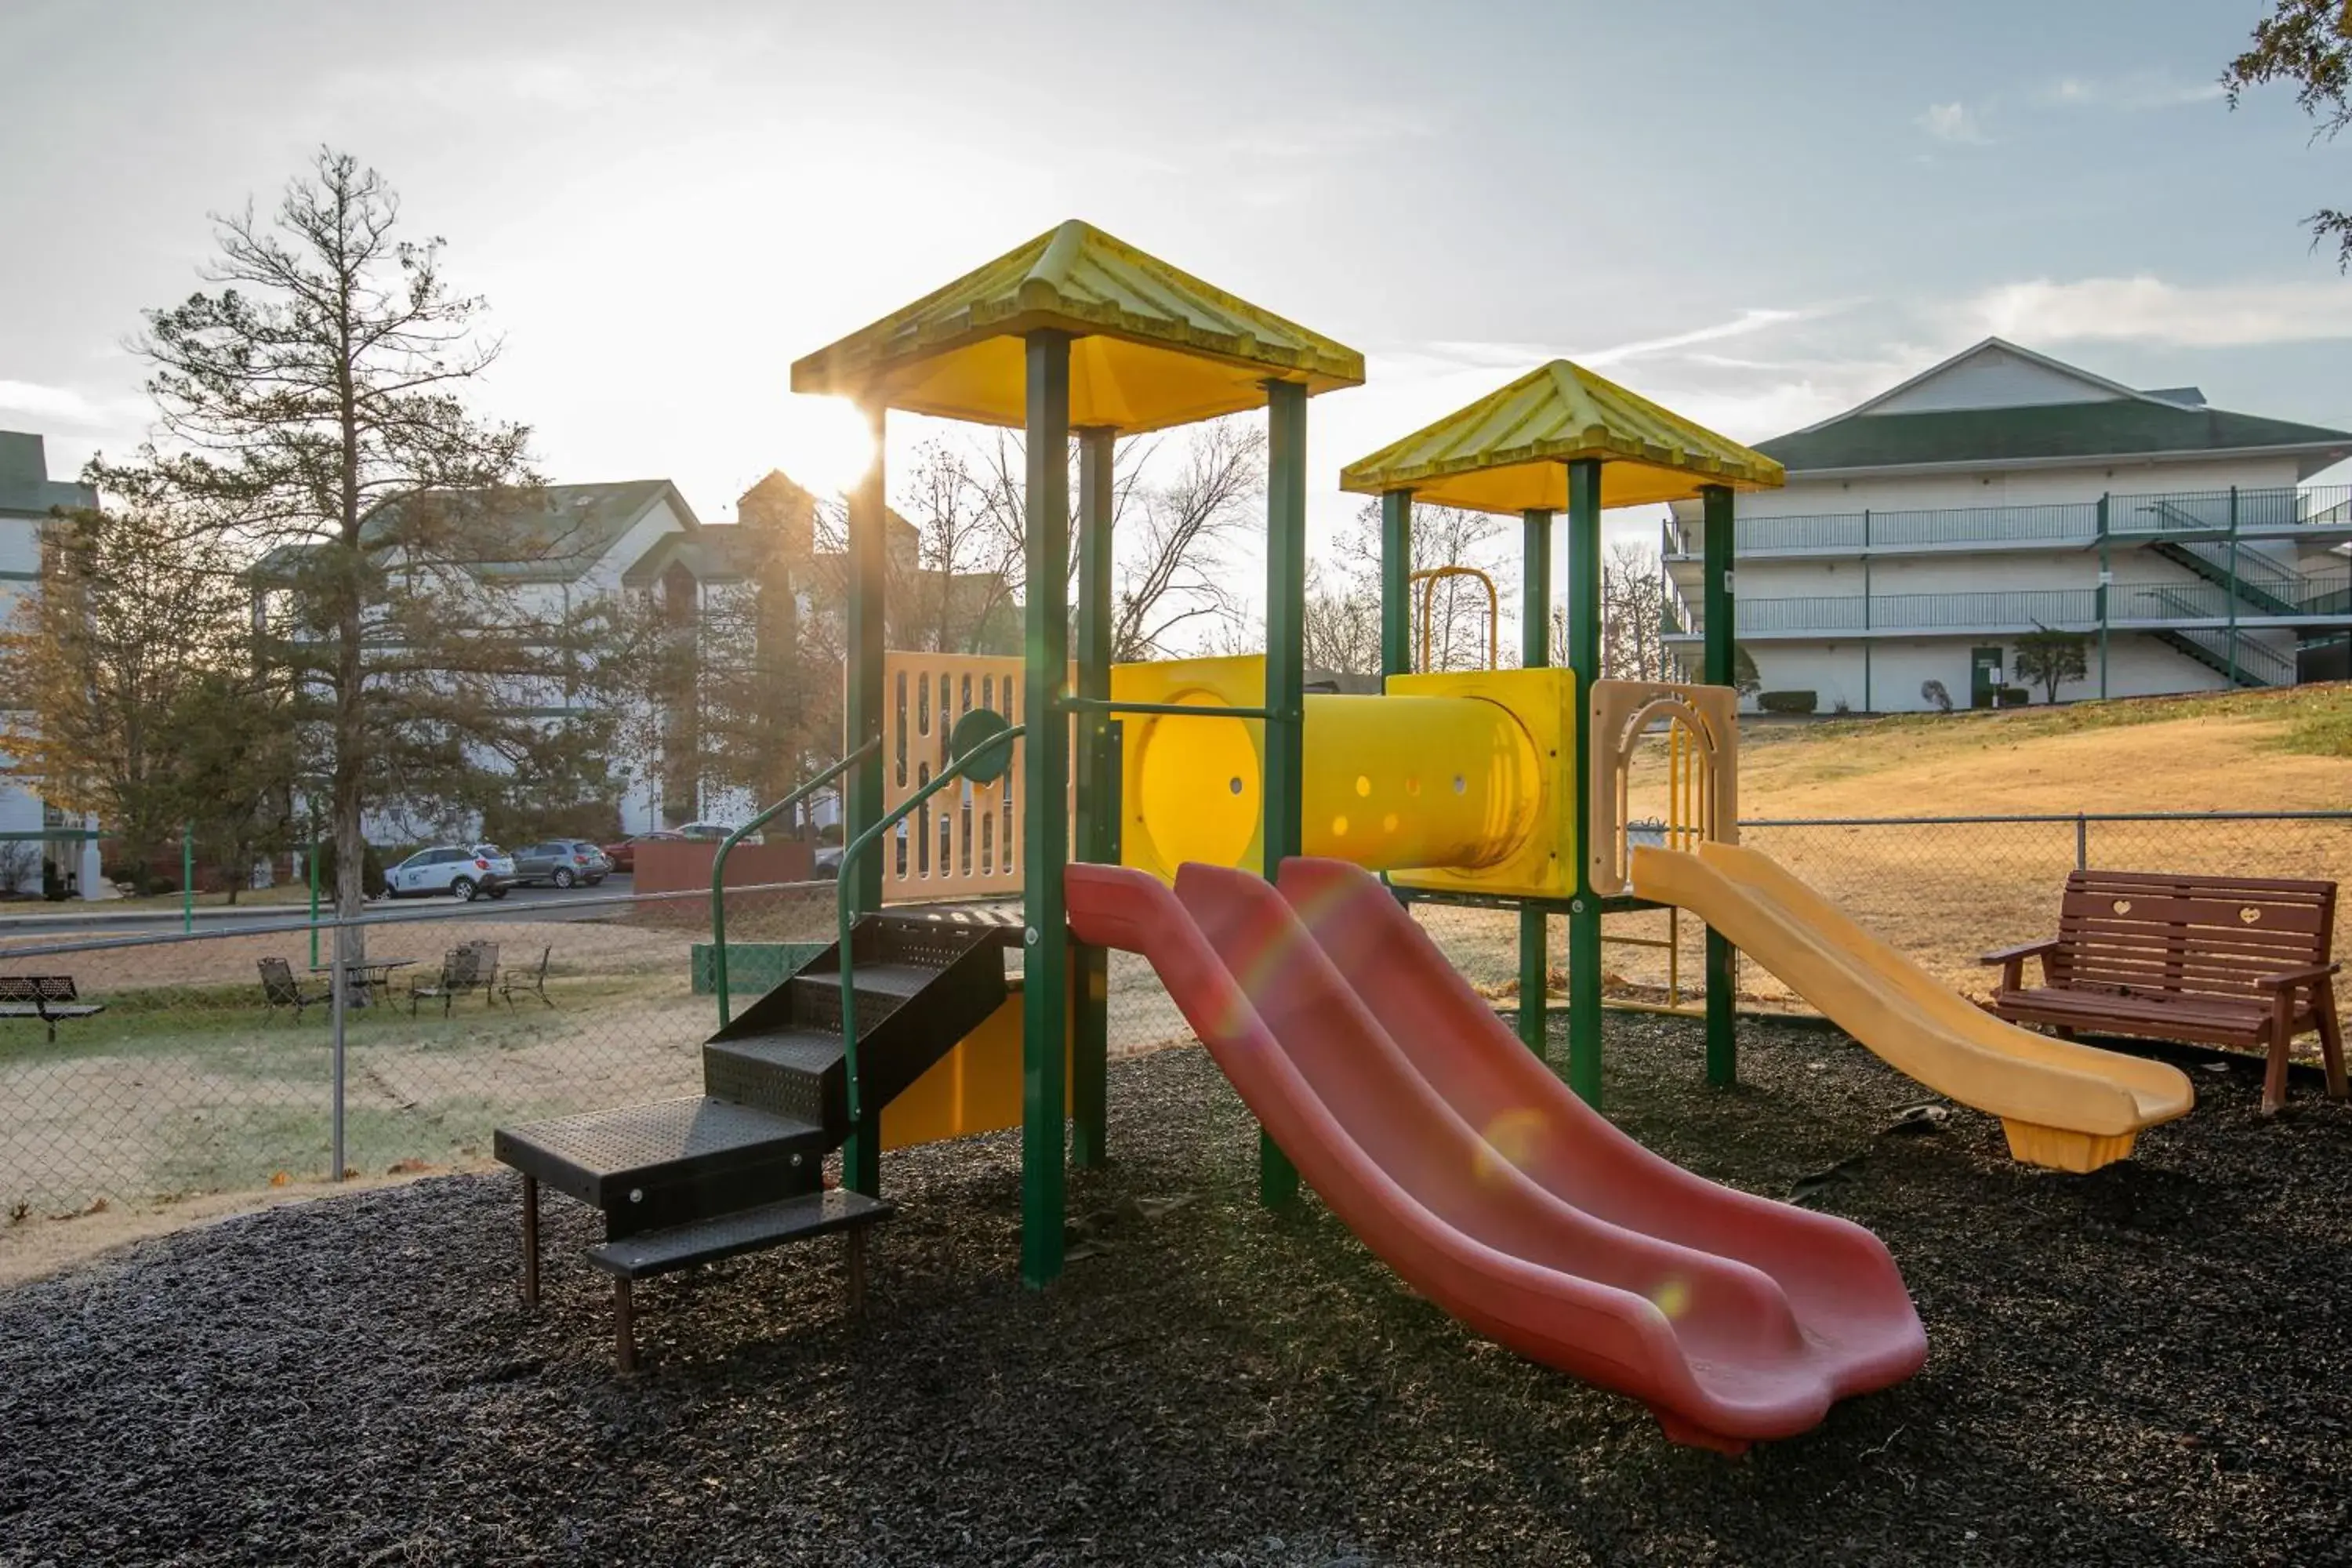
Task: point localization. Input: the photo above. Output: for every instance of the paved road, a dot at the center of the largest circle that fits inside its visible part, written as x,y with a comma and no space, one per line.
74,919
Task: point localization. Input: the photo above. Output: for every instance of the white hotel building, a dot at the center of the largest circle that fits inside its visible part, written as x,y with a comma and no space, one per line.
2002,491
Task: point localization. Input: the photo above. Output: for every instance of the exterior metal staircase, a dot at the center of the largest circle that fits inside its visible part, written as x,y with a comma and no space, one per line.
2267,585
741,1166
2257,666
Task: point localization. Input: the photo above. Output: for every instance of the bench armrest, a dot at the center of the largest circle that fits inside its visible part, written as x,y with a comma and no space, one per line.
2012,960
2290,977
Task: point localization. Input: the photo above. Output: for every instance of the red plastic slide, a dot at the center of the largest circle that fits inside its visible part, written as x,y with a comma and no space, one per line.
1425,1125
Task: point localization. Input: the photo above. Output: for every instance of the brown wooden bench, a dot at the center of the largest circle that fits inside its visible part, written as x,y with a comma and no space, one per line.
2223,961
48,997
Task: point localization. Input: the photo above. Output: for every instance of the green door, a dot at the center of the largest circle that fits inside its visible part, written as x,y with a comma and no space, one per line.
1984,677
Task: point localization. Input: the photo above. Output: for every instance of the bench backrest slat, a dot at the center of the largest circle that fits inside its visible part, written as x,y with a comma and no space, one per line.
2163,932
37,988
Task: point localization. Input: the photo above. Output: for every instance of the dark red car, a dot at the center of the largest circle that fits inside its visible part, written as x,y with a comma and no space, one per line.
623,855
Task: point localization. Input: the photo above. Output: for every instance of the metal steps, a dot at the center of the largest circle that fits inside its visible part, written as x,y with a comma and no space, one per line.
646,1166
922,986
739,1167
2263,589
731,1235
2219,662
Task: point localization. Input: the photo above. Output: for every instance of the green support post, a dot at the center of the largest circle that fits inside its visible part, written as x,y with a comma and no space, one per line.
1722,633
1045,819
1396,588
2233,588
1584,657
1097,804
2106,579
1285,681
188,877
1534,653
861,1155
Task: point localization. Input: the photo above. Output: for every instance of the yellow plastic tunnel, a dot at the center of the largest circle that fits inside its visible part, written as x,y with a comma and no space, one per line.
1397,783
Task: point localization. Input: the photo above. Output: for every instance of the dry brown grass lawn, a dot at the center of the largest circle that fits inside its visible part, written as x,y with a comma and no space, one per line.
1945,893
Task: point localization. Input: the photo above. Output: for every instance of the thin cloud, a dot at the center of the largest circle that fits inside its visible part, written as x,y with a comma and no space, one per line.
2148,310
1952,122
1458,354
2130,90
1740,326
63,405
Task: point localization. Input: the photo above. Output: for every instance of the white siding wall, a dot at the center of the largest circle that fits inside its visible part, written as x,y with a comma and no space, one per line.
1994,378
2137,666
20,809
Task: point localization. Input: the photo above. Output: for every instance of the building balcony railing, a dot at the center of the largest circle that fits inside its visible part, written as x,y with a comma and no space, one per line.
2134,606
2285,511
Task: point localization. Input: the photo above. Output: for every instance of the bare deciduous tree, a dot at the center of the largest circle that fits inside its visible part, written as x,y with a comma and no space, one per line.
1633,614
1458,606
1342,625
1170,535
312,407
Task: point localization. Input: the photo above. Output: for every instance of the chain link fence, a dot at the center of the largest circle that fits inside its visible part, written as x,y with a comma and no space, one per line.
1941,889
202,1075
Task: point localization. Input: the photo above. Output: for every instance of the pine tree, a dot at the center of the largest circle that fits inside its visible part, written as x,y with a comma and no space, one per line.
312,412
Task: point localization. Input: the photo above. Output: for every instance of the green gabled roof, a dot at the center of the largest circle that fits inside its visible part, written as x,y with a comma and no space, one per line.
1155,346
1507,451
2119,427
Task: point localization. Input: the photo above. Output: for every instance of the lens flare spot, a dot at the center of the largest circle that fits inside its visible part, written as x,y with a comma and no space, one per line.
1388,823
1338,828
1508,1141
1363,785
1413,786
1672,1297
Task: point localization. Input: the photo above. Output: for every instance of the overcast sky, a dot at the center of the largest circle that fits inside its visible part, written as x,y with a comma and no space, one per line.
1757,215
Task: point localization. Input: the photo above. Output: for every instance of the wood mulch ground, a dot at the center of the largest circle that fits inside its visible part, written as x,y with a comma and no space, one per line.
2141,1366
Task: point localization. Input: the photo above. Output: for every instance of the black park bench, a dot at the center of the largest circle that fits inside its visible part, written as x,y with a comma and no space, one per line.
48,997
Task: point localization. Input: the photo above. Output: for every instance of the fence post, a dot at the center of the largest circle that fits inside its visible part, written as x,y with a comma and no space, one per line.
311,866
2081,842
337,986
188,877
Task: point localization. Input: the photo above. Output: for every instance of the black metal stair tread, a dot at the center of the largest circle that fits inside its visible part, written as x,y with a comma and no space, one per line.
882,979
727,1234
640,1140
799,1049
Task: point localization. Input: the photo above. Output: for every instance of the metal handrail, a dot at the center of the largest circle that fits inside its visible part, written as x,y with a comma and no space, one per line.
1428,577
726,844
953,771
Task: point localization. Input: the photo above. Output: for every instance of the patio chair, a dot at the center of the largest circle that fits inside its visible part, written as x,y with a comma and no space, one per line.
486,975
533,980
280,989
461,970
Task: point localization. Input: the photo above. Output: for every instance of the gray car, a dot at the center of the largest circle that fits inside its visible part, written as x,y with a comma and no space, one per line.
562,863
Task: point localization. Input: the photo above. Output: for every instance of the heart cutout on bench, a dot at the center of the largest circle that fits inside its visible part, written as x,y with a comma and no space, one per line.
2123,906
2249,914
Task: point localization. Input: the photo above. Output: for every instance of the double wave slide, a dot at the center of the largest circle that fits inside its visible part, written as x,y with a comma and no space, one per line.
1432,1133
2066,1106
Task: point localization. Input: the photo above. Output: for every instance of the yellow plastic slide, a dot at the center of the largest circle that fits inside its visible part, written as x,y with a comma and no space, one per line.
2068,1106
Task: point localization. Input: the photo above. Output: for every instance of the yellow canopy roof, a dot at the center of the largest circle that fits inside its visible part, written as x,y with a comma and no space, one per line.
1155,346
1508,451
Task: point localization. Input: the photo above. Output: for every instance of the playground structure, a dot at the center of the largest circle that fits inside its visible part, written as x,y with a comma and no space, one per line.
1215,818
